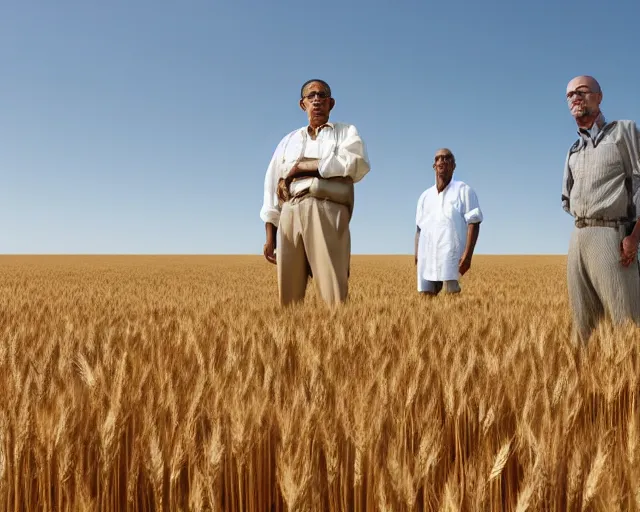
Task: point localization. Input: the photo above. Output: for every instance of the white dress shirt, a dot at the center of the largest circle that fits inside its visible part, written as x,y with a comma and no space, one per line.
339,148
443,219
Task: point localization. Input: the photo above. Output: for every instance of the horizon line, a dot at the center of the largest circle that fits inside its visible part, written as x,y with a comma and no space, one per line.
248,254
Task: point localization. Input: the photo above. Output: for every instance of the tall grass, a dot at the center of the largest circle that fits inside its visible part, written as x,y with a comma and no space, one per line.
176,383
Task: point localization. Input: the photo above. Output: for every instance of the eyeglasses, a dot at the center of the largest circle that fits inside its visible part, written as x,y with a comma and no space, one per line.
323,95
581,93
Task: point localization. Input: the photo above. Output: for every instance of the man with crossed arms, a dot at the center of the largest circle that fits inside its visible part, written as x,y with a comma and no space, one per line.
600,190
308,200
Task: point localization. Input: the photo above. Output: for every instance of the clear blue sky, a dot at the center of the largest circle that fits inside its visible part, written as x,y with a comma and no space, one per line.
146,127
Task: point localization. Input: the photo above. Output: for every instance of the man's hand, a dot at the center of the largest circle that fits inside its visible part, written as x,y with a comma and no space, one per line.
293,172
473,230
269,251
464,264
628,250
304,168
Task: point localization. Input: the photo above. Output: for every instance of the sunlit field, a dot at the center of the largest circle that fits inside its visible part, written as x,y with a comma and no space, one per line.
177,383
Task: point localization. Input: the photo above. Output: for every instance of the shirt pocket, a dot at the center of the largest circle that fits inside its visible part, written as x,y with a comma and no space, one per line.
450,209
609,160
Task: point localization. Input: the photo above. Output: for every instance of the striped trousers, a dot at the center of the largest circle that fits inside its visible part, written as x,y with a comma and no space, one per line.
598,283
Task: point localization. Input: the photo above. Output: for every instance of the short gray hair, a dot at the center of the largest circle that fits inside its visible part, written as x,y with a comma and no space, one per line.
322,82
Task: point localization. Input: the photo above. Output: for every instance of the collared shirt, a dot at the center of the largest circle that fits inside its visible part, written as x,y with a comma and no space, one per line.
593,132
598,169
443,219
339,149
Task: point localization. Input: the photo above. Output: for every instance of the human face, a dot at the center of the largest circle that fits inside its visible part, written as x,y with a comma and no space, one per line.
583,97
317,103
443,165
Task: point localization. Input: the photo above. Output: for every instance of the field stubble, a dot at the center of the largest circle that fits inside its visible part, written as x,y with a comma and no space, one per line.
176,383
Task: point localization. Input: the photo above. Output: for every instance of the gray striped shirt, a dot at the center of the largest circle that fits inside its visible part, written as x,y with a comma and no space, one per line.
599,171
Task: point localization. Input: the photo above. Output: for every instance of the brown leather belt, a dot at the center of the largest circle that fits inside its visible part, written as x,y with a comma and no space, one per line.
582,222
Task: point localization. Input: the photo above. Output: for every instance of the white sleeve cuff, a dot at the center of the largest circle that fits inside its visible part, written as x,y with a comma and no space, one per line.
473,216
271,216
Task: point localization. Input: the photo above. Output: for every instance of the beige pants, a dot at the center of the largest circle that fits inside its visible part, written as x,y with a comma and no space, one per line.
313,234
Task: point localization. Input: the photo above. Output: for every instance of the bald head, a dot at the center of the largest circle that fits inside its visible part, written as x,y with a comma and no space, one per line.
444,163
583,97
584,81
445,152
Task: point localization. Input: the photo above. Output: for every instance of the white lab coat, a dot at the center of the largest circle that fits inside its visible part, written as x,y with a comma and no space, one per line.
443,219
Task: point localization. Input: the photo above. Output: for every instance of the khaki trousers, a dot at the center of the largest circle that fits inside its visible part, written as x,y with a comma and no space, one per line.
598,283
313,234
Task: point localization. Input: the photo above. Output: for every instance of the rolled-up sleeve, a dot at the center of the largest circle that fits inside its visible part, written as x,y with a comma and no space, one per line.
349,160
270,211
473,213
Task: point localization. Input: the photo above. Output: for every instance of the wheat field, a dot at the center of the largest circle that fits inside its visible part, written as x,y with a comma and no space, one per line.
177,383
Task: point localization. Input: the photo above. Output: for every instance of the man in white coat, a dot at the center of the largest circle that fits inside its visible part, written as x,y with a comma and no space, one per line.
448,221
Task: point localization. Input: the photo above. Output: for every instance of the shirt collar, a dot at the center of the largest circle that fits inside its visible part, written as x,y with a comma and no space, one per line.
307,129
447,187
593,132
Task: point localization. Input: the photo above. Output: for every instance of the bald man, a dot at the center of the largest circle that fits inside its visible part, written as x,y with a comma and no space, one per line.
448,220
600,190
309,198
